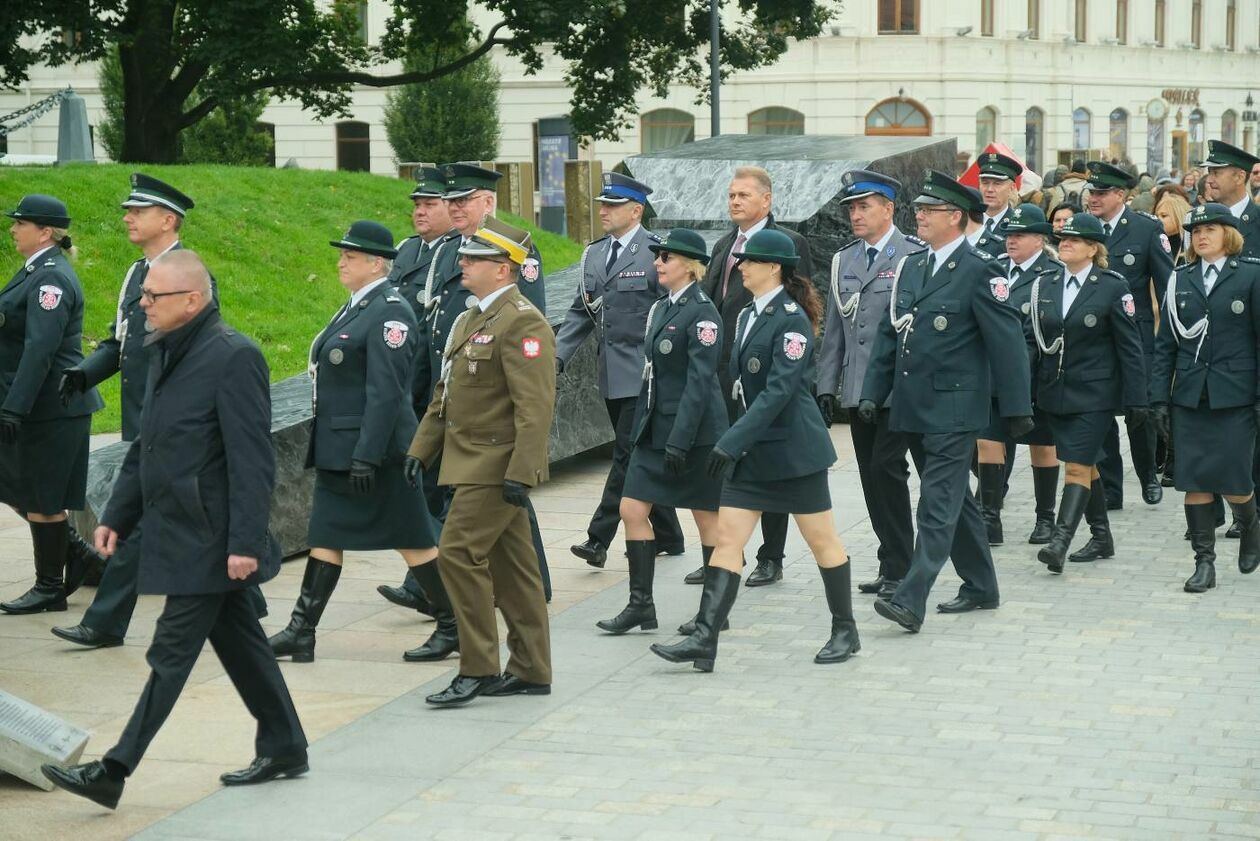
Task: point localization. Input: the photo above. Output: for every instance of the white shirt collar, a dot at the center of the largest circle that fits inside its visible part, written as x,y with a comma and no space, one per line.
1082,275
1024,267
674,296
760,304
625,238
754,228
148,262
1114,221
883,241
998,218
30,261
355,297
485,302
1220,266
942,254
1237,209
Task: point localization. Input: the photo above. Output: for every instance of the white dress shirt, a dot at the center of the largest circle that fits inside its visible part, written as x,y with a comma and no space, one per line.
943,253
1069,291
759,305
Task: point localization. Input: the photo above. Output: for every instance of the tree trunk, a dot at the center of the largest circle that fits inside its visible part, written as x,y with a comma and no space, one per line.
152,107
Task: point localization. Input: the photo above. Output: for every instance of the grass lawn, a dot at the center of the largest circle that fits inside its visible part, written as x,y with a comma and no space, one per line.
263,232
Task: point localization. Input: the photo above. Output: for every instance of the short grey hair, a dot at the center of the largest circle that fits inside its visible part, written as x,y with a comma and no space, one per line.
187,264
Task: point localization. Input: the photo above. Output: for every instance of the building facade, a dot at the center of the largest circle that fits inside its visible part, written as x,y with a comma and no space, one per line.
1149,81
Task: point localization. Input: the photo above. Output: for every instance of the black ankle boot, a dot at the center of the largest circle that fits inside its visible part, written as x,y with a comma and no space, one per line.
1249,536
298,639
81,559
1071,507
49,542
1202,522
1100,544
844,642
992,478
1045,487
640,612
688,628
700,649
445,638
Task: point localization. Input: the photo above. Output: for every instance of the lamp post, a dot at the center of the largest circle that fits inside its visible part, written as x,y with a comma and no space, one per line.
715,75
1249,123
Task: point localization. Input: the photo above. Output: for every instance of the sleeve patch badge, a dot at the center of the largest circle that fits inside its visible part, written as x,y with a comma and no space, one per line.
707,333
1000,288
50,297
395,334
1130,309
794,345
531,347
1163,240
529,270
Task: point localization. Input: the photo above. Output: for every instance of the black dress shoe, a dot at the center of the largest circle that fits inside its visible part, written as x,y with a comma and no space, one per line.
1152,493
510,684
88,780
871,587
886,591
462,690
1114,504
591,551
767,572
965,604
900,615
265,768
86,637
403,597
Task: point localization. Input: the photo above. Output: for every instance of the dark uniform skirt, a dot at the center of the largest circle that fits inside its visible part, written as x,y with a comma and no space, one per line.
1078,438
46,471
798,495
648,480
392,516
1040,436
1214,449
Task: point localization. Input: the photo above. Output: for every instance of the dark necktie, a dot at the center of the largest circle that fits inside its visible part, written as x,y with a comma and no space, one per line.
1074,282
1015,273
1209,277
730,263
988,226
931,264
871,253
612,255
1107,229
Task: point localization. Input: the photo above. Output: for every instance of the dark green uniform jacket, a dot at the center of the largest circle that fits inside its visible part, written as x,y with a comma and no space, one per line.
411,270
1140,251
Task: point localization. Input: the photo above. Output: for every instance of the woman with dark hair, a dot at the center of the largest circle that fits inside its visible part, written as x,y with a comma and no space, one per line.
43,441
1061,214
679,416
776,454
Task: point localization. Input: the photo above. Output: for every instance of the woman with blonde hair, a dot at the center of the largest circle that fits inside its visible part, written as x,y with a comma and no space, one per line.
1171,207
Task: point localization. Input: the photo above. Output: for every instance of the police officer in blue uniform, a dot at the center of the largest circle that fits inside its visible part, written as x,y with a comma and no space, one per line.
861,280
1090,366
1137,248
950,334
1205,365
618,287
362,366
43,442
776,454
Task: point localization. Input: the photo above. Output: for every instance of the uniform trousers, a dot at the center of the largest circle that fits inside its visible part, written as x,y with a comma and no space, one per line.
230,622
773,525
885,475
607,517
949,522
1142,451
488,560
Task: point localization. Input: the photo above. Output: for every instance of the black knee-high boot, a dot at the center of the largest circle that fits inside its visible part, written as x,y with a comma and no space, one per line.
700,649
1100,544
49,542
1201,520
1249,535
992,478
689,627
641,611
298,639
445,638
844,642
1045,488
1071,507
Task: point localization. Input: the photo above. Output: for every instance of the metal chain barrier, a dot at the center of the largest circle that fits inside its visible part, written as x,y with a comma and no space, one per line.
30,113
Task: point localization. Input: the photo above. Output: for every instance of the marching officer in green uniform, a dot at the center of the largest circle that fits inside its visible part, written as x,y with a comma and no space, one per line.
43,441
980,237
999,175
489,424
1138,249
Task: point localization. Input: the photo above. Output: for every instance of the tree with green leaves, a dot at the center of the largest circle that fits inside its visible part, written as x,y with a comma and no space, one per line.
452,118
181,59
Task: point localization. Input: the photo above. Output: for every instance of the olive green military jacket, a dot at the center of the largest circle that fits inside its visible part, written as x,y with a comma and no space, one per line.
490,416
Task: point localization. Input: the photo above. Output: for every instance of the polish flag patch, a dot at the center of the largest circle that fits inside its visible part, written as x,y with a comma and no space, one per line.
531,347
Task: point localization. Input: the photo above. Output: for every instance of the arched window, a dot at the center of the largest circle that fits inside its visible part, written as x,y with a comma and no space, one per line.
1080,128
986,128
665,128
899,117
1034,137
1118,134
268,129
1229,127
354,145
1197,141
776,120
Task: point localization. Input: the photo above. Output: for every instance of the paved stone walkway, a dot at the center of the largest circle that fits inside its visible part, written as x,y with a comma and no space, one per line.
1105,703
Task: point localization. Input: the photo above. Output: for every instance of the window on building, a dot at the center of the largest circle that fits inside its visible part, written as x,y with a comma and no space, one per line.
665,128
1229,127
1154,145
899,117
898,17
354,146
986,17
1197,139
986,128
1082,19
4,144
362,9
1118,134
1080,128
1034,137
1122,21
776,120
1231,24
268,129
1196,23
1034,18
1160,9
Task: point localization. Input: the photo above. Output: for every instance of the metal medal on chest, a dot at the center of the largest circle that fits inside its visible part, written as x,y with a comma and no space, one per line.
1025,307
1091,320
420,297
470,302
940,322
336,355
1129,259
754,365
472,366
666,346
1237,307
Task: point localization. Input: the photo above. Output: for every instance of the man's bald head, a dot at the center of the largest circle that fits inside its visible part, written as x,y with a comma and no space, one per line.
184,266
176,289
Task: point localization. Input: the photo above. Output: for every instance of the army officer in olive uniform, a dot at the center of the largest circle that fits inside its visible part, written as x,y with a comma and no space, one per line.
43,443
361,368
618,287
490,422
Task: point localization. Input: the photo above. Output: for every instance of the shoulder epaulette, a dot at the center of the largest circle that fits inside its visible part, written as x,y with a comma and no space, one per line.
524,306
849,245
1115,274
1051,270
1255,260
1193,264
984,254
393,299
1150,216
654,237
704,299
600,239
914,239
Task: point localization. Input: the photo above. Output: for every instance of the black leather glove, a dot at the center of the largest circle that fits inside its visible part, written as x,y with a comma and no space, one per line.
1137,416
412,468
675,461
514,493
1160,417
362,477
10,423
829,407
867,410
1019,427
73,382
720,464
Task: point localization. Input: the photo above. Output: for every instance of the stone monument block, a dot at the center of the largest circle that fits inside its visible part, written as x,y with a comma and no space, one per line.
74,140
31,737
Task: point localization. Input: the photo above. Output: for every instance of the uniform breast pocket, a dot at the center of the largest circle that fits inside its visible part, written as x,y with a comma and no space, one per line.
944,306
880,286
479,365
632,284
